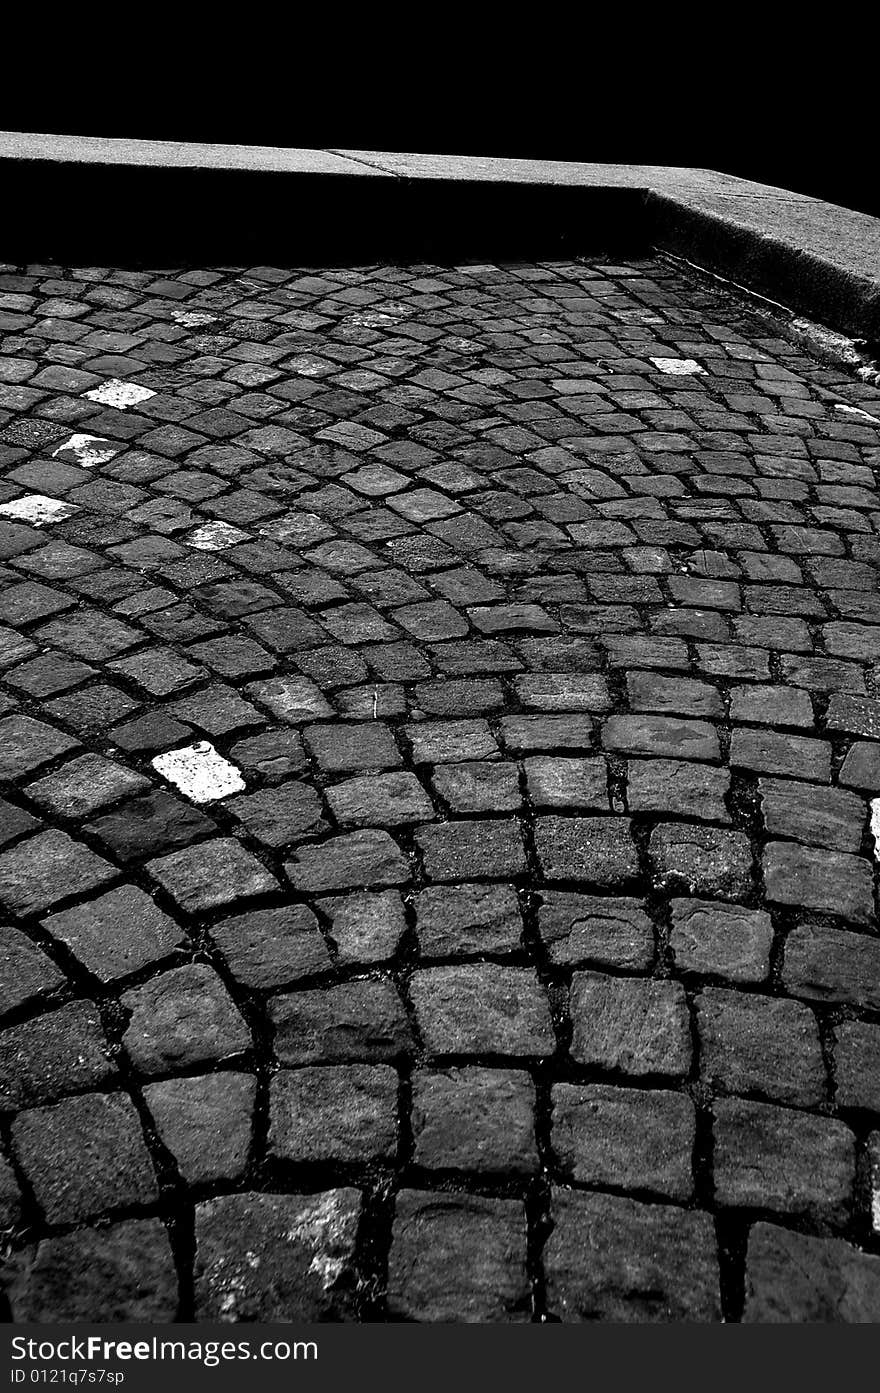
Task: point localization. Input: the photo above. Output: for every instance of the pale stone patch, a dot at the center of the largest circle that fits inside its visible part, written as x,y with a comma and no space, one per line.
192,319
875,826
215,536
678,367
86,450
857,411
199,772
37,509
119,394
874,1160
325,1226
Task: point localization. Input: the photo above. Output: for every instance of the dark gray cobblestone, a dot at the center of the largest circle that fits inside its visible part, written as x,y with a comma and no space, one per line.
439,800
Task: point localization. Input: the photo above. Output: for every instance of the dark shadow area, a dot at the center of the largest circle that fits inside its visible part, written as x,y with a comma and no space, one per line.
73,214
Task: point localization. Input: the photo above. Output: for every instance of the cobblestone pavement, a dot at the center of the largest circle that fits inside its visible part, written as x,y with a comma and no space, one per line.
439,722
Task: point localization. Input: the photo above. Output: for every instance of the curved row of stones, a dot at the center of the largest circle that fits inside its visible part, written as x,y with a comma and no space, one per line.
441,748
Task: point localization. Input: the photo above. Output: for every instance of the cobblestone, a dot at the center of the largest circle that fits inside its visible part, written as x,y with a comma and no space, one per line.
530,932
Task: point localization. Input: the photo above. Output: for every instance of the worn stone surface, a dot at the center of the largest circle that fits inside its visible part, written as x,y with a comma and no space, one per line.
182,1018
610,1258
467,920
482,1009
775,1158
121,1273
474,1119
206,1123
360,1020
343,1114
792,1277
634,1138
459,1258
276,1258
530,610
85,1156
634,1025
609,932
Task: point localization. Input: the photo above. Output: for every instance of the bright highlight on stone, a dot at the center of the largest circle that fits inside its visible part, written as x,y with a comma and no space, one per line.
678,367
199,772
192,319
119,394
875,826
86,450
37,509
215,536
857,411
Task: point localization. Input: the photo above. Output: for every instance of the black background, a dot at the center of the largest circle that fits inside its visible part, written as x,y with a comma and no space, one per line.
795,106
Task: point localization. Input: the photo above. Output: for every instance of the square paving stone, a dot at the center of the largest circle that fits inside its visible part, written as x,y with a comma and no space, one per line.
14,822
342,1115
760,1044
660,735
678,787
614,1259
61,1052
857,1065
25,744
563,691
796,1163
824,964
478,786
211,875
632,1024
457,1258
481,1008
629,1138
124,1272
85,1156
277,1258
37,873
771,752
595,849
492,848
829,881
149,825
365,928
291,699
434,742
466,920
118,933
705,860
829,817
360,1020
205,1123
721,940
340,748
474,1119
520,733
268,948
380,800
280,815
793,1278
353,861
25,970
682,696
597,929
567,783
182,1018
85,784
275,754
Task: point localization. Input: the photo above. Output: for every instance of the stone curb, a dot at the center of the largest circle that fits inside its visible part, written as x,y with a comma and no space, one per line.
80,197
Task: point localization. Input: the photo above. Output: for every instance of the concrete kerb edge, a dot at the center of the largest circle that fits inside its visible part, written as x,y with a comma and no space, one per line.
821,261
